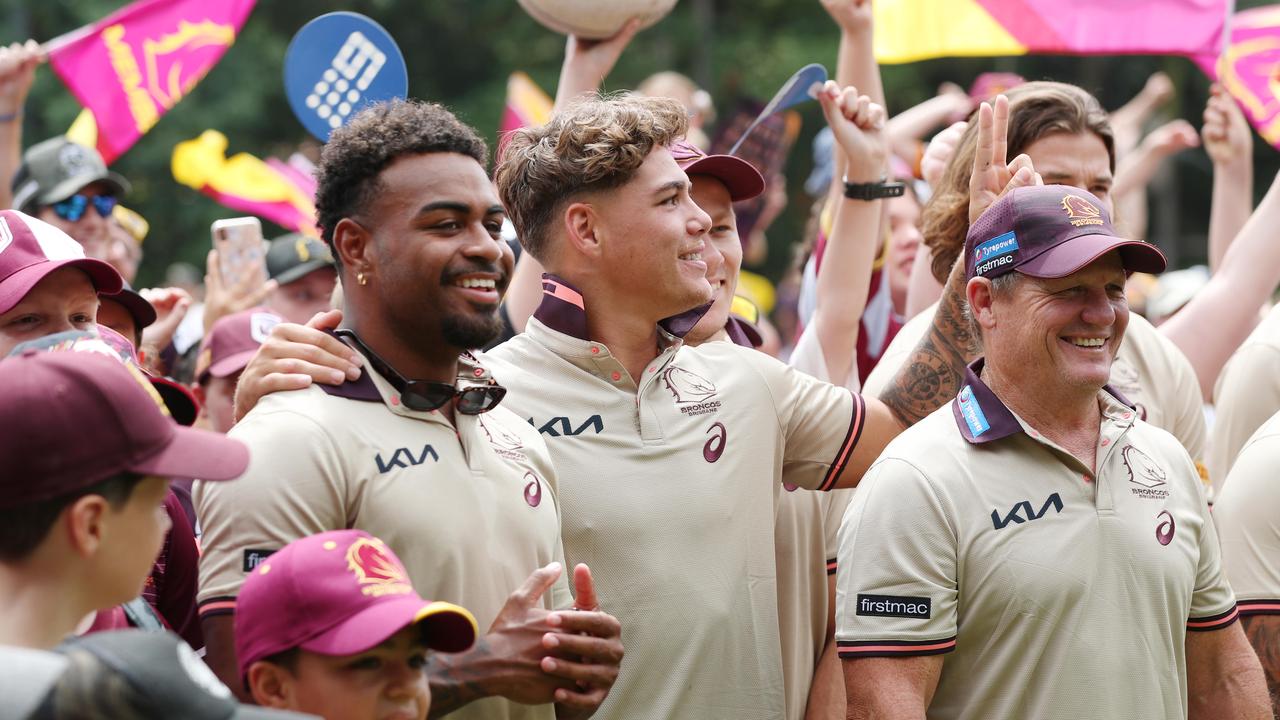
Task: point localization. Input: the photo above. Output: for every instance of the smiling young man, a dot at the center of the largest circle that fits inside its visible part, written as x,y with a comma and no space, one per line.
418,451
1061,561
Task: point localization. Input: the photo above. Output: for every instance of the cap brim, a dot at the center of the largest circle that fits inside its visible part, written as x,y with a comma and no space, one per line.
73,185
301,270
445,627
142,312
1074,254
181,403
105,279
741,177
230,365
194,454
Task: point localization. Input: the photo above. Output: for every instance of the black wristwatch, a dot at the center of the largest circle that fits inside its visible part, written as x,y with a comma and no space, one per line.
873,190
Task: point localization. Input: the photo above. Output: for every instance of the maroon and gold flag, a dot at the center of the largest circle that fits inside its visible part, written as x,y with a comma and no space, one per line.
1249,68
130,68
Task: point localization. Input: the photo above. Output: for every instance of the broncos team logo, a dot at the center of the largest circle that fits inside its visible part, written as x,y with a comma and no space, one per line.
1080,211
377,572
1142,469
688,387
500,437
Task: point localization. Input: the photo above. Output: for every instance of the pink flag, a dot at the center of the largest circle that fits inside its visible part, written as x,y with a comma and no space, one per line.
1249,66
131,67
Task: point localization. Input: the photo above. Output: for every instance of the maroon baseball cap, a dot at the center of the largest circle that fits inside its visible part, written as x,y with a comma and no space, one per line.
73,419
233,341
1049,231
741,177
30,249
340,592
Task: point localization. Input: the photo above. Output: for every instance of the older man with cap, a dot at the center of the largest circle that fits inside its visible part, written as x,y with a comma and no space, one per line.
1060,560
69,186
88,455
330,624
305,275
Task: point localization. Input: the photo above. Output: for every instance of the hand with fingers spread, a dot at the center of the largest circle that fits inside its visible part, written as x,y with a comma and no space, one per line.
858,126
993,175
507,660
587,649
1226,133
294,356
225,296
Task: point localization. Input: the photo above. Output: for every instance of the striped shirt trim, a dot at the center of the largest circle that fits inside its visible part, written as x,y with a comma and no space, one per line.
894,648
858,420
217,606
831,566
1259,607
1214,622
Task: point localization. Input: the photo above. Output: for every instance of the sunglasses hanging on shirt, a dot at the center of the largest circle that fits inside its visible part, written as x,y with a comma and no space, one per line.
427,395
74,207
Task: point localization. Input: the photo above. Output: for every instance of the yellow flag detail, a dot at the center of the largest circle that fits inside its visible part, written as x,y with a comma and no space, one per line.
910,30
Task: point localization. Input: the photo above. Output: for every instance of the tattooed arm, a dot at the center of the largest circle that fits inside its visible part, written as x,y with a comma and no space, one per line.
1263,632
1224,679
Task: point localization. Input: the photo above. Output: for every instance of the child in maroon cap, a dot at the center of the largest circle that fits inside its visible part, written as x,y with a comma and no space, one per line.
225,351
330,625
87,454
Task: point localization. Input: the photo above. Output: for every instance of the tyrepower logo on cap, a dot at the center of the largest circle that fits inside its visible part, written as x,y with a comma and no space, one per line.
994,253
972,412
1080,211
894,606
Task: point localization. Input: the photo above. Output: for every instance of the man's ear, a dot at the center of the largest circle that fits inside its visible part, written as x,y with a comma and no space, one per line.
354,246
583,227
84,523
980,294
270,685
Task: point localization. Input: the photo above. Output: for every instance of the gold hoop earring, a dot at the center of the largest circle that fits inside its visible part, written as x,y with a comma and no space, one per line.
360,278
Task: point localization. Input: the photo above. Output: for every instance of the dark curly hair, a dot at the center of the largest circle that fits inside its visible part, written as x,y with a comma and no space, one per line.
357,153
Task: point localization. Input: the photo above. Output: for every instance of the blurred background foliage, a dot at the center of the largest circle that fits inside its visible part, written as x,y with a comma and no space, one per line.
460,52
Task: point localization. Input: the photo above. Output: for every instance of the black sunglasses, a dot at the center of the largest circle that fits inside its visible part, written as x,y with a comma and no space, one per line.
427,395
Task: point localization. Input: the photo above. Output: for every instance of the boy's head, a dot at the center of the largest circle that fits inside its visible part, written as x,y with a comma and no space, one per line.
224,353
330,625
88,452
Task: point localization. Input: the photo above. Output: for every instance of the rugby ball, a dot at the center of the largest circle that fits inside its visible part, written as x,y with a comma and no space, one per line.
595,19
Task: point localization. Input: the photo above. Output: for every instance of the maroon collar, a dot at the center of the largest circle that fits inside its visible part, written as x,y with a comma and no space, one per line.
563,309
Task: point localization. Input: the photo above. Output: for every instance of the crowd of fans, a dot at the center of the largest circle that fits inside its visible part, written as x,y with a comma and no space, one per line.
519,443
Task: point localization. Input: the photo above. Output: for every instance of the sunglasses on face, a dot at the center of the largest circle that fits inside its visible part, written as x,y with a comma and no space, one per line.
74,207
428,395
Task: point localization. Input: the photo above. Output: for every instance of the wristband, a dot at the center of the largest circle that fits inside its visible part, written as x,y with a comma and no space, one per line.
873,190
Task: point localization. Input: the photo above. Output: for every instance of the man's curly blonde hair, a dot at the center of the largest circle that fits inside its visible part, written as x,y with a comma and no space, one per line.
597,143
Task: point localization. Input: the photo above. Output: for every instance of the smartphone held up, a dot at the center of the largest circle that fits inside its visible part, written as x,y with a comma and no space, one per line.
242,251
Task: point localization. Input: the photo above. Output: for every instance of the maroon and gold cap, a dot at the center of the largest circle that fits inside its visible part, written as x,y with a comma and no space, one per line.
340,592
1049,231
741,177
31,249
73,419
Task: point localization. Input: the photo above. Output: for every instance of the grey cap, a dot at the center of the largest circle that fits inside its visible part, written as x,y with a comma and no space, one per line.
143,676
292,256
56,169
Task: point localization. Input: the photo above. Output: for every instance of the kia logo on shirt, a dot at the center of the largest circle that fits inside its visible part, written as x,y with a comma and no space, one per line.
1028,512
563,426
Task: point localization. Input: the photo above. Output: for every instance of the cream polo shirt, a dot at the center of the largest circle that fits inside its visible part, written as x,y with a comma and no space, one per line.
1247,514
1247,393
669,491
1057,594
471,510
1149,370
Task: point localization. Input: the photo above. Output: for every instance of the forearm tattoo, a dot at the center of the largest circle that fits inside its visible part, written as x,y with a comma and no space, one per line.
932,374
455,684
1263,632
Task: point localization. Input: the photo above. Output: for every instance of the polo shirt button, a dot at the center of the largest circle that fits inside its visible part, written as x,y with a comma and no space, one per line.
595,350
616,376
653,370
479,372
1127,415
395,400
1105,442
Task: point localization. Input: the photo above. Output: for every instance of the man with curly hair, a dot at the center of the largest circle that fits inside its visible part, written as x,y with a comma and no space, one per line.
416,450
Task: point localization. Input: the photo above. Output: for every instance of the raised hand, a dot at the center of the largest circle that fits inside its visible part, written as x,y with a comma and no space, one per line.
588,62
937,155
858,126
992,176
18,64
587,649
851,15
1226,133
171,305
1171,138
294,356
